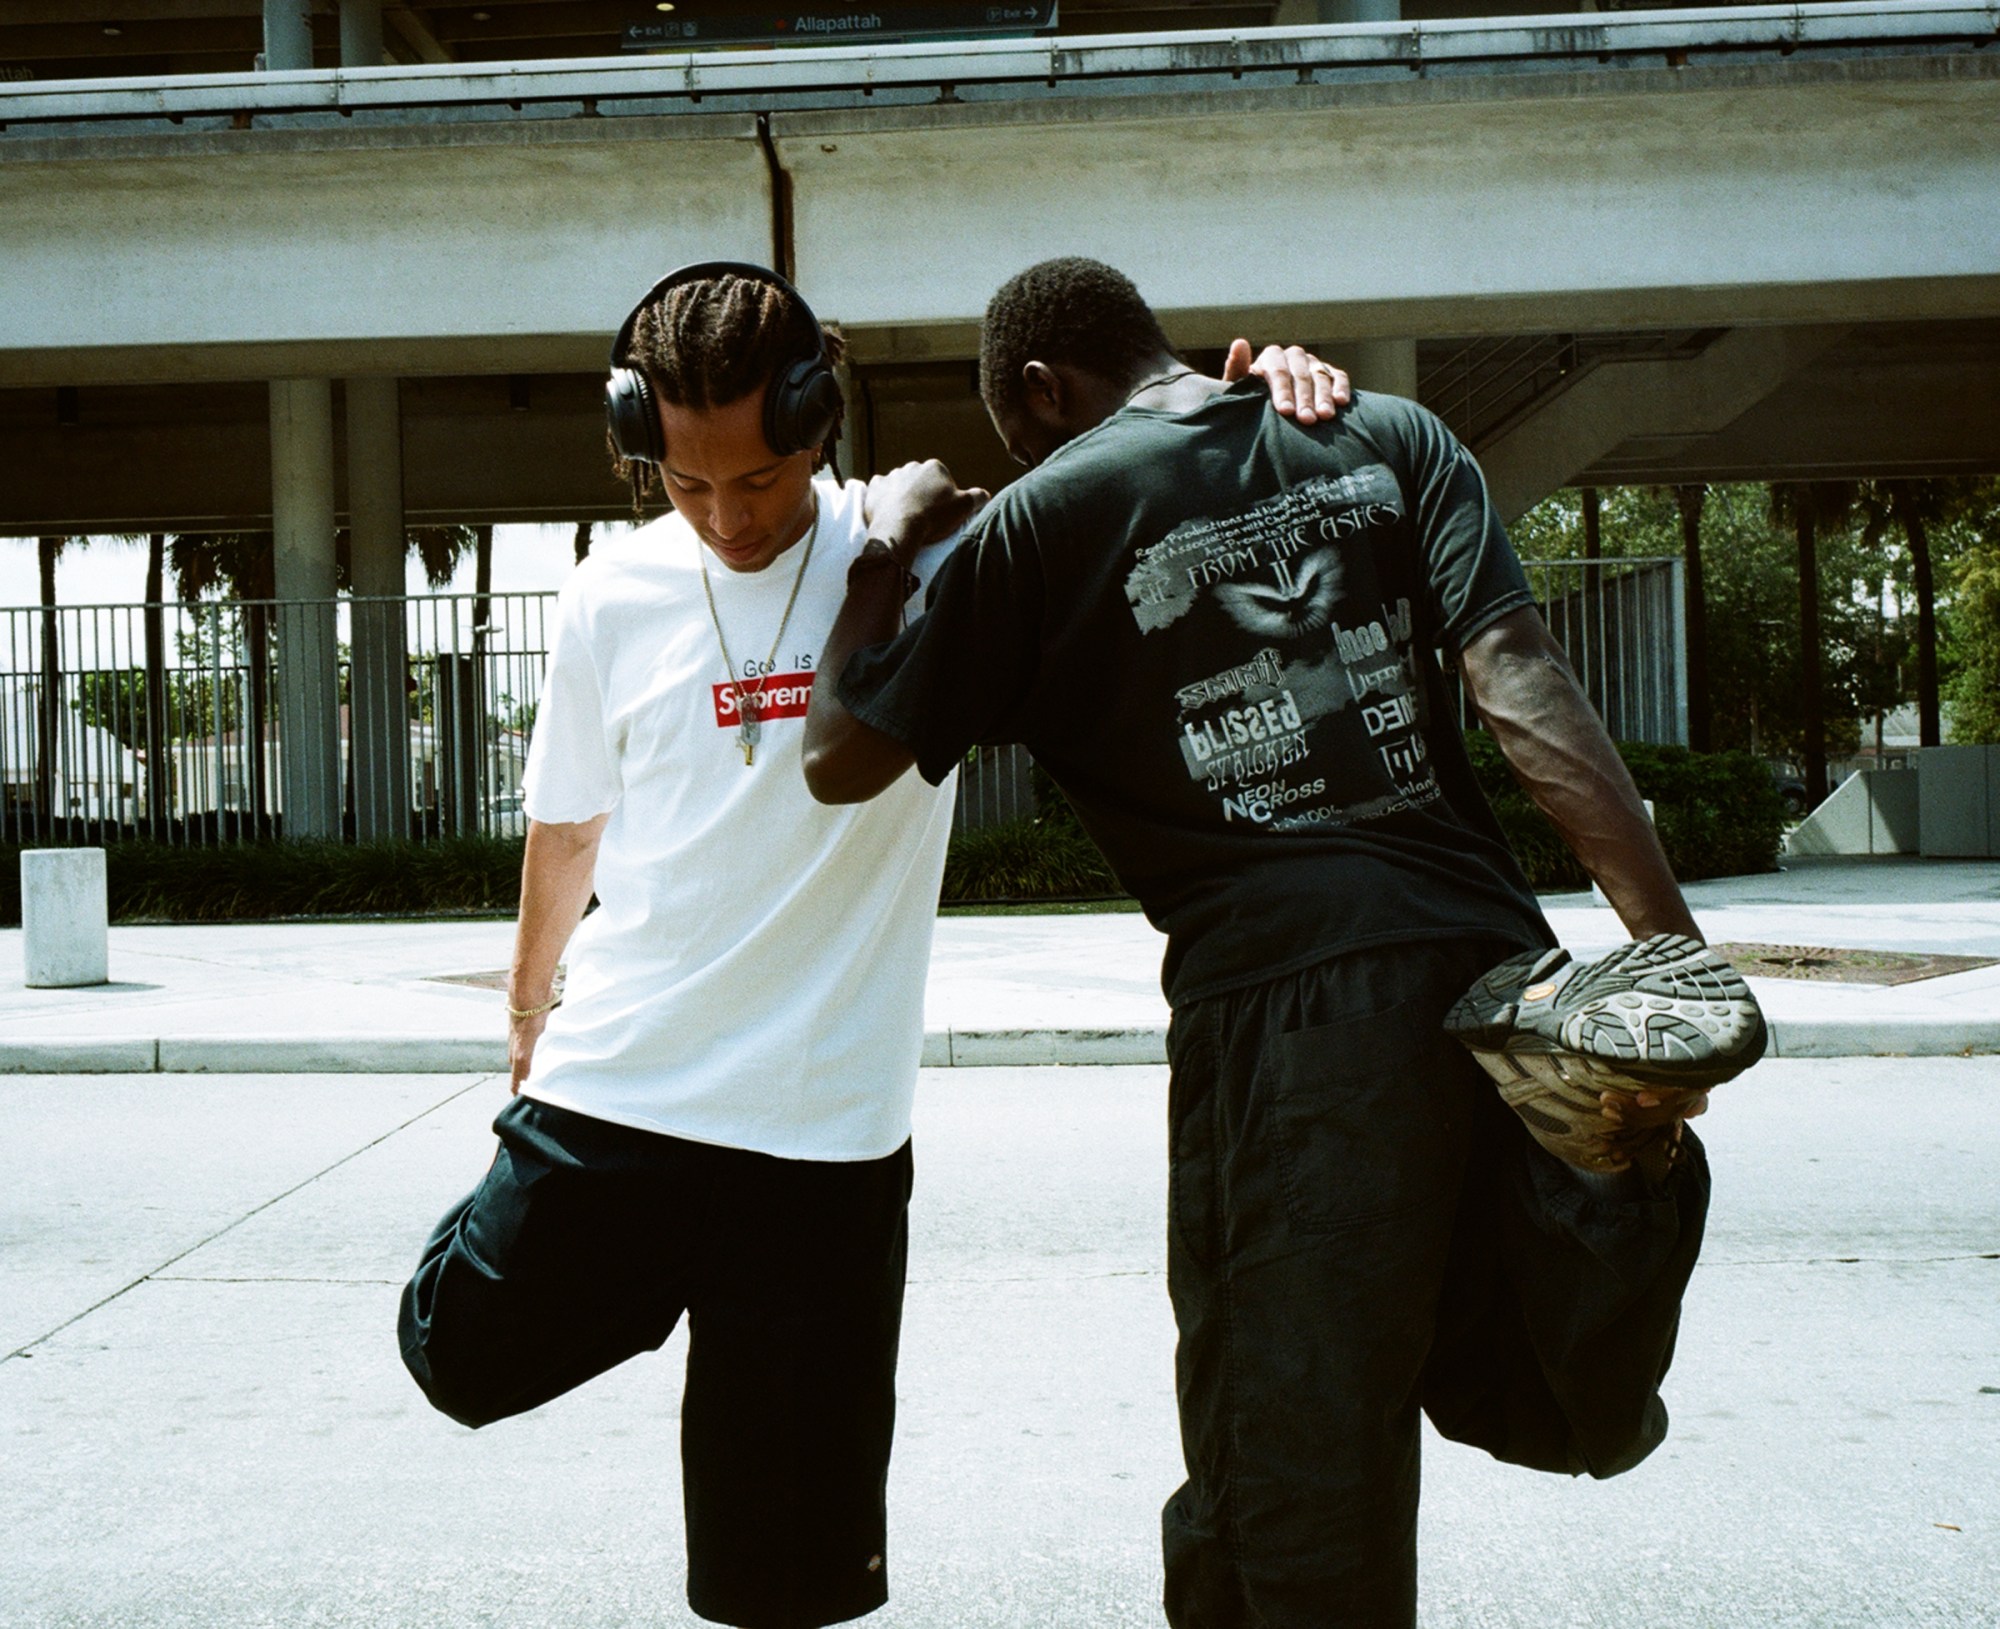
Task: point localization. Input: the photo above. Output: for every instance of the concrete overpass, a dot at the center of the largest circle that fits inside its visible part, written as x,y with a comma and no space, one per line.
1747,226
1758,241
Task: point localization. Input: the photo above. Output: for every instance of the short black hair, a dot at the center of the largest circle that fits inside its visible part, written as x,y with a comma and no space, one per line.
1072,310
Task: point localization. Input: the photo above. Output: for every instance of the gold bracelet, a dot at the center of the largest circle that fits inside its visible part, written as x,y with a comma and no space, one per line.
535,1012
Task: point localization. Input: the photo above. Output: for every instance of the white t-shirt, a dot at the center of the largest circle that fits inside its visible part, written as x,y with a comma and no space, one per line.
754,974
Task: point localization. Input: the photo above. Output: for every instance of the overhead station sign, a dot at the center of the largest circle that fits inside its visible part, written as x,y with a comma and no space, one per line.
693,24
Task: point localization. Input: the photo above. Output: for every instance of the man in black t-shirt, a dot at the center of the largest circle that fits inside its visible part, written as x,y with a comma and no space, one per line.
1216,630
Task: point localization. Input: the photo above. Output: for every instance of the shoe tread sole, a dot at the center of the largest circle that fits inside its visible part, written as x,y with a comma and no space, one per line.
1664,1011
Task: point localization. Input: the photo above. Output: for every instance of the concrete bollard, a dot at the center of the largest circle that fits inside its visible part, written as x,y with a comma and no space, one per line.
65,917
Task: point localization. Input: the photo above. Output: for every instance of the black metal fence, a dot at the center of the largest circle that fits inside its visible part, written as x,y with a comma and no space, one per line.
411,717
1623,625
169,722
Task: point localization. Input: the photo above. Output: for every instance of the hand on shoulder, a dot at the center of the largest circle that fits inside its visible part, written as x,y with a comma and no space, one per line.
1302,386
917,504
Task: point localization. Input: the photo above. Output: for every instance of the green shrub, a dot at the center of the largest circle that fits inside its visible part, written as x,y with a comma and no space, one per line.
1026,859
258,881
1718,813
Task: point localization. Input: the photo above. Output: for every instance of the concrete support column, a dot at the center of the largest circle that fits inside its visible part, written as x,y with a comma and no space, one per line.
288,37
378,731
1361,11
1385,365
302,524
361,33
857,446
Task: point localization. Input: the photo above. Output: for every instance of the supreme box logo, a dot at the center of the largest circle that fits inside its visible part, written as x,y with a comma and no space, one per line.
783,695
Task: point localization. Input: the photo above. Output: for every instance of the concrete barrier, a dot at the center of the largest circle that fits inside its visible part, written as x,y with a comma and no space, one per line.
1873,811
65,917
1959,801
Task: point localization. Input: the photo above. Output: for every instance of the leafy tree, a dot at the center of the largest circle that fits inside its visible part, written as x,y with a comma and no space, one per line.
1750,579
1973,692
1943,525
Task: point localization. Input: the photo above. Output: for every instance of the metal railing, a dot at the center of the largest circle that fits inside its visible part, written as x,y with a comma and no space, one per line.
696,83
172,722
410,718
1623,625
995,785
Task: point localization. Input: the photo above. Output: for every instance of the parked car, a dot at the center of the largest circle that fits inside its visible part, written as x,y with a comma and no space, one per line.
1790,788
504,815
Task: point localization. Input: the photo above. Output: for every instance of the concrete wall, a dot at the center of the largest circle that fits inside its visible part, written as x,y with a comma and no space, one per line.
313,256
1959,790
1445,208
1823,190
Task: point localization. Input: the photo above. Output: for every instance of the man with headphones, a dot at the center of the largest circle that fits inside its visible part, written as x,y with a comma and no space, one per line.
712,1117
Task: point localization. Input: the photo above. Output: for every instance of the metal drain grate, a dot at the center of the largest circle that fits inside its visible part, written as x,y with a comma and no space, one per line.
1833,964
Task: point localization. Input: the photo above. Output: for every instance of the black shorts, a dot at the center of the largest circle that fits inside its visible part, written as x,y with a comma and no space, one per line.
582,1247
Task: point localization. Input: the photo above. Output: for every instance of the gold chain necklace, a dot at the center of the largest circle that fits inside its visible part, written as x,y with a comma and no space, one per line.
749,703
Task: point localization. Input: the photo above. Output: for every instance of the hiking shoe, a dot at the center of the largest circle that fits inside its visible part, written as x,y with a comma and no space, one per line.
1664,1015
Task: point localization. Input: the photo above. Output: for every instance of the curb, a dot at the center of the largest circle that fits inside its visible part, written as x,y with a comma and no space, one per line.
1884,1038
943,1049
480,1054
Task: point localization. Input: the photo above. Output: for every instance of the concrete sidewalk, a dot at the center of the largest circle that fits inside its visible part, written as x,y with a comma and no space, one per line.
372,997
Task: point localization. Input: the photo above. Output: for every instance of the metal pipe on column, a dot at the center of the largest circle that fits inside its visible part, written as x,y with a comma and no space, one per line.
1360,11
288,40
361,33
379,714
302,527
1386,366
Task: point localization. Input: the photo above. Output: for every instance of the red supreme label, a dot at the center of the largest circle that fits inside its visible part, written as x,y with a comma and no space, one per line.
783,695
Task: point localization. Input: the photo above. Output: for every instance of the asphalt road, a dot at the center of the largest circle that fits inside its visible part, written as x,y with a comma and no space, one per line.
205,1422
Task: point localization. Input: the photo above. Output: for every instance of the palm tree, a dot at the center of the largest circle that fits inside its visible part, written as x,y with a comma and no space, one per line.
1907,502
441,548
158,787
1691,500
1810,505
1915,507
482,590
242,564
48,709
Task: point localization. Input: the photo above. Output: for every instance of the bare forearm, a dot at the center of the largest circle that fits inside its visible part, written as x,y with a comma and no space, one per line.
1559,751
557,872
845,760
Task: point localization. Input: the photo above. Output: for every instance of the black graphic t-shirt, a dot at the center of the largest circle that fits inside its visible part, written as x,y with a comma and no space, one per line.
1215,630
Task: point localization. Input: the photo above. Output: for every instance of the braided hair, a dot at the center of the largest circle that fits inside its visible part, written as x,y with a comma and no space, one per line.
714,341
1072,310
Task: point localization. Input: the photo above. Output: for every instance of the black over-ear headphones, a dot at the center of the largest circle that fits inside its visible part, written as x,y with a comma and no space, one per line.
801,404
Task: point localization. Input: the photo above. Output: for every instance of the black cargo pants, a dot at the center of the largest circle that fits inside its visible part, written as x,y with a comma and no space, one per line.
1361,1229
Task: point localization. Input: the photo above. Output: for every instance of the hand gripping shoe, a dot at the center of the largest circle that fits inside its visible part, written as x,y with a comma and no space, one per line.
1663,1015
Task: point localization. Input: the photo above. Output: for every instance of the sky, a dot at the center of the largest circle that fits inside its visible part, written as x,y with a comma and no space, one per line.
110,571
